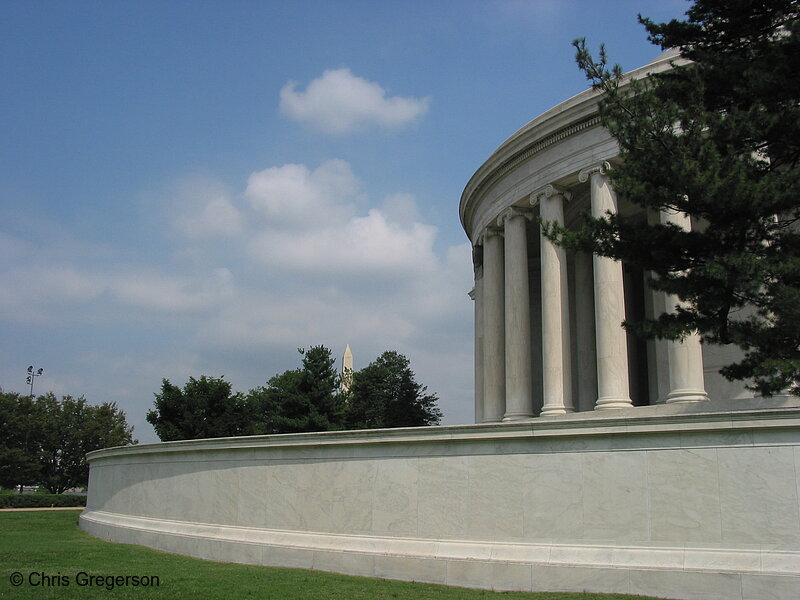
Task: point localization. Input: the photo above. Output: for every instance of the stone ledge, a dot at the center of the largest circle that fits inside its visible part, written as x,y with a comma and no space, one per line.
718,415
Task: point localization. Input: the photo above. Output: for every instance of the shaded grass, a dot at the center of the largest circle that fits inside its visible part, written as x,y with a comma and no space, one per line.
50,542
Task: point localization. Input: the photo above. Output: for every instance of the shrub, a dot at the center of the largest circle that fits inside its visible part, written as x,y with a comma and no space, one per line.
41,500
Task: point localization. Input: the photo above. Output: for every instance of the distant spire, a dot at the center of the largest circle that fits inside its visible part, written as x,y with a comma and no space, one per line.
347,369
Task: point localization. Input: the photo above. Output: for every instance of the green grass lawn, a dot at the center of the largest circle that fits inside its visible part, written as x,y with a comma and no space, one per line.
50,542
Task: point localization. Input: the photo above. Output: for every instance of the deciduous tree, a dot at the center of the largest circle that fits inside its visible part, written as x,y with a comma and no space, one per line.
20,431
45,440
71,428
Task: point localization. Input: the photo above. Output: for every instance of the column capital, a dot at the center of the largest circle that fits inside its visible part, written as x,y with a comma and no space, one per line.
603,168
512,212
550,191
490,231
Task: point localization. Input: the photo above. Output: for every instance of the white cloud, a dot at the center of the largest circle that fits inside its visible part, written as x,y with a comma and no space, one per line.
370,245
47,294
157,291
30,292
218,217
255,321
401,208
310,224
198,207
296,197
340,102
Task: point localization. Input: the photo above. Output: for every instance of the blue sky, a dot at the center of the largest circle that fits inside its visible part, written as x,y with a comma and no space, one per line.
203,187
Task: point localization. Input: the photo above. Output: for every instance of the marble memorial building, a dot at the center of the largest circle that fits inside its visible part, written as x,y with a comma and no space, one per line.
548,339
597,463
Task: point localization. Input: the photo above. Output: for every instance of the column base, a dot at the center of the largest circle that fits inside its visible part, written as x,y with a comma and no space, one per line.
612,403
518,417
686,396
554,411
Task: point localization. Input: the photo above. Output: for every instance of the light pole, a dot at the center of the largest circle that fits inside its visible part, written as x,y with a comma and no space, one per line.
32,376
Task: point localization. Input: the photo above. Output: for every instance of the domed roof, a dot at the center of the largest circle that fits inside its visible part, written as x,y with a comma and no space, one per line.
543,134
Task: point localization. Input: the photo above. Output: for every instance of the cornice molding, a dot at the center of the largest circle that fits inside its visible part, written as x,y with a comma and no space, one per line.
514,160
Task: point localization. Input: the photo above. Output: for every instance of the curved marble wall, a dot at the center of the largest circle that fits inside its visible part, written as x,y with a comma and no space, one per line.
678,501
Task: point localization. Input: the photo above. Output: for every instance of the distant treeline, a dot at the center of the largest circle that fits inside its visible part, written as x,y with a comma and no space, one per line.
310,398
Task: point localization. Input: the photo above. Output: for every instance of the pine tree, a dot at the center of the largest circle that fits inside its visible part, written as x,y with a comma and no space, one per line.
204,408
301,400
385,393
717,137
319,383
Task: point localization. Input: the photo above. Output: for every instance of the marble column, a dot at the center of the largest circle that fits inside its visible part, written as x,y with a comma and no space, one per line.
556,356
494,363
686,381
609,304
519,389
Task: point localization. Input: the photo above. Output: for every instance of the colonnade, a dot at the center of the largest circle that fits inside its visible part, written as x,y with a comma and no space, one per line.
503,342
